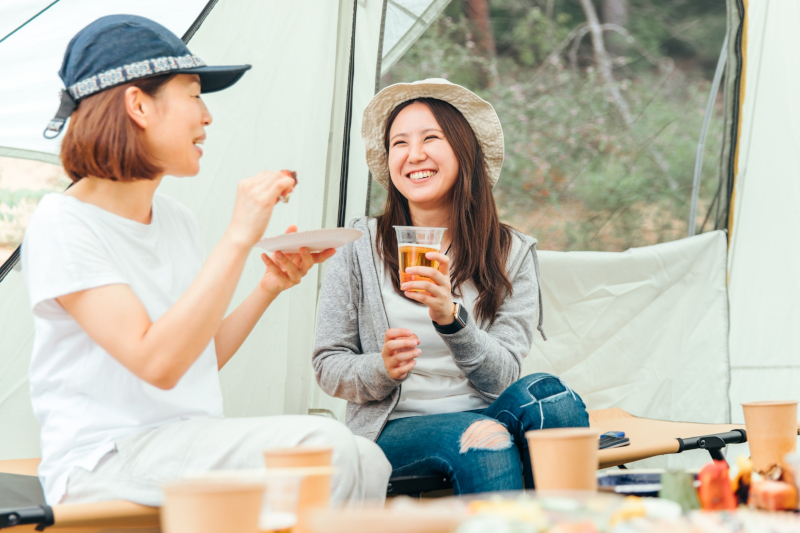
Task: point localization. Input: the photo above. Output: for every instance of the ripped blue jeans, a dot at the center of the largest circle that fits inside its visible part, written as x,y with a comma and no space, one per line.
475,452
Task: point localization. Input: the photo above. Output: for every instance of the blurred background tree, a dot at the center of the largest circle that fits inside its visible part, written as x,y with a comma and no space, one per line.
601,104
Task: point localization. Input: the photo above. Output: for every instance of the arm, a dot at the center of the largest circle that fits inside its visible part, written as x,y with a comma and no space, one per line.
237,326
161,352
341,368
492,359
283,272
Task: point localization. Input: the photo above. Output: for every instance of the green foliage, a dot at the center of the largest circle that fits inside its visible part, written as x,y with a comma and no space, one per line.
574,174
12,198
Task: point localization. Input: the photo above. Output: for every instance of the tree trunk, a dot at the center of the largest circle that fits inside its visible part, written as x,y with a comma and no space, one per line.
478,12
615,12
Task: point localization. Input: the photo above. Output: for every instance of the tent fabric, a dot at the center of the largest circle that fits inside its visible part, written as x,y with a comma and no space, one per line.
15,13
764,259
406,20
644,330
733,91
30,59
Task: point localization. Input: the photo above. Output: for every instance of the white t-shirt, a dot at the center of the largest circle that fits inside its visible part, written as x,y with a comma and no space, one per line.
435,385
82,397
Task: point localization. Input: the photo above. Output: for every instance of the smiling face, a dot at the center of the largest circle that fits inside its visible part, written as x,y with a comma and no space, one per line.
175,126
422,163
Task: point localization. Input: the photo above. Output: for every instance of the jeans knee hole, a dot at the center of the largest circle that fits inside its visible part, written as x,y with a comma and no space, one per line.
485,435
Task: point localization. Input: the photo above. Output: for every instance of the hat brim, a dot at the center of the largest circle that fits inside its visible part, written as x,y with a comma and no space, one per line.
213,79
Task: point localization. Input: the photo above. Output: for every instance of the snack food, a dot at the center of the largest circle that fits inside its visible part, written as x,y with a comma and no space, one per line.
716,493
291,174
773,495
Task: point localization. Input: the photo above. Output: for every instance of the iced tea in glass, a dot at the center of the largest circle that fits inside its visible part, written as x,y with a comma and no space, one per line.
413,243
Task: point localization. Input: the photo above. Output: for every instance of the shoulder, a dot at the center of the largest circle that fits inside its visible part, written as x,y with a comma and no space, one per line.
521,244
56,212
521,254
368,226
362,223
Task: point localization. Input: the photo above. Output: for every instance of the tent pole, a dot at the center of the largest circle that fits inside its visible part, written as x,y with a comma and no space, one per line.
348,120
377,88
698,164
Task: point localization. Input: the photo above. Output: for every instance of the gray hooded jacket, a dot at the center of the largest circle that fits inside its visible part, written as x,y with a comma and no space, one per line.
352,322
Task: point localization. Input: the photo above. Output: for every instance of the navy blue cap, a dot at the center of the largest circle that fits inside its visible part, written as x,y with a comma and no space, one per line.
118,49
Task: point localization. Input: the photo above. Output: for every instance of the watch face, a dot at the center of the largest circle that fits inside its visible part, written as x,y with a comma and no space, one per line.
462,315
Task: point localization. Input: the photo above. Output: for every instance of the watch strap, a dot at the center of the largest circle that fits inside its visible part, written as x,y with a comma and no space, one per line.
456,325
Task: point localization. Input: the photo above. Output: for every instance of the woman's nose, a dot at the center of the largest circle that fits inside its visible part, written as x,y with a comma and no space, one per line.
416,153
207,118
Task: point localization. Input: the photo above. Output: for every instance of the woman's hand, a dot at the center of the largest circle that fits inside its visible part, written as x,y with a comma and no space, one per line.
284,271
399,352
255,199
438,292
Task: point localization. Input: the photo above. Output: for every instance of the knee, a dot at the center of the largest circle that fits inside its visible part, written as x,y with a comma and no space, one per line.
375,462
542,386
485,435
331,433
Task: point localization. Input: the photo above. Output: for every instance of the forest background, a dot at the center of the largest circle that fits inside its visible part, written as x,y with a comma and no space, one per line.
601,127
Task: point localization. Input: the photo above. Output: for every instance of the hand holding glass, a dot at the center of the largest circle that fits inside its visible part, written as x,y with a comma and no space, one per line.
425,271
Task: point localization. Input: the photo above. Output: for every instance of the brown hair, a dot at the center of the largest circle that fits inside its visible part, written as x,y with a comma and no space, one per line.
480,243
104,142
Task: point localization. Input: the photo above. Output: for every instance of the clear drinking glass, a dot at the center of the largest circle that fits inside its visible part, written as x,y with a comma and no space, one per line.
413,243
279,510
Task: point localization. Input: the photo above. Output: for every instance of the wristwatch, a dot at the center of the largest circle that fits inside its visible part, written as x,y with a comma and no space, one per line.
460,316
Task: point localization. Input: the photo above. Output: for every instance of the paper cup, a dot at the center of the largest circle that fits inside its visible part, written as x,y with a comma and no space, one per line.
771,432
298,457
315,463
564,458
211,506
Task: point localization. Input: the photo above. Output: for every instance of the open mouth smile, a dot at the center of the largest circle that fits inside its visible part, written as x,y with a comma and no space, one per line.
418,175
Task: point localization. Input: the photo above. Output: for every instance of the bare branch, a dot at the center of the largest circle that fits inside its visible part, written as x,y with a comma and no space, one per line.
603,61
557,50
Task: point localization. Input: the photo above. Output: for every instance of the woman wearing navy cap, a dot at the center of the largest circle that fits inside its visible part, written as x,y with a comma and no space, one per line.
129,313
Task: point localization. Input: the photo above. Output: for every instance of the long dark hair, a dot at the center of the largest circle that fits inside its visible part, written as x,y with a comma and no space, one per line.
480,243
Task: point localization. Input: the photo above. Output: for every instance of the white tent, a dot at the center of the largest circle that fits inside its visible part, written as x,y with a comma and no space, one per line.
764,261
646,330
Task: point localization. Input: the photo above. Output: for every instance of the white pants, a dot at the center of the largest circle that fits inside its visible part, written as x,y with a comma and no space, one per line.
143,462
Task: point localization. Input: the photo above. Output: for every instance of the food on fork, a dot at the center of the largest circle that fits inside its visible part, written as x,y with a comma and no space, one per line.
291,174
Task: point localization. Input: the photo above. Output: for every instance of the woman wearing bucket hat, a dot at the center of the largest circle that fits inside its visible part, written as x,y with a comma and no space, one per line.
129,315
431,369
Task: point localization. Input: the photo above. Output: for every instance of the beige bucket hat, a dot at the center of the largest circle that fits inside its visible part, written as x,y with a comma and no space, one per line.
479,113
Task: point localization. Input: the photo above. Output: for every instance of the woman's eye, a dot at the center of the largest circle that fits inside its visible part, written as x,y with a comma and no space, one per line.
398,143
431,137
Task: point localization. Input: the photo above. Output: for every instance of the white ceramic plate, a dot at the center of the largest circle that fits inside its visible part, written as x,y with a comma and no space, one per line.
316,240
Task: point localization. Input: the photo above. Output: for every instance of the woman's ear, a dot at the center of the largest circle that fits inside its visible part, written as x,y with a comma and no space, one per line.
135,106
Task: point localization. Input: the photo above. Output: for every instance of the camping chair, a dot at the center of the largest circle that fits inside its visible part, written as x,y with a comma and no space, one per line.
22,504
648,438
